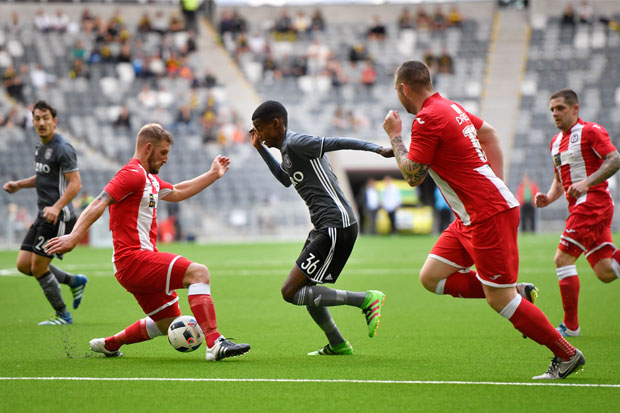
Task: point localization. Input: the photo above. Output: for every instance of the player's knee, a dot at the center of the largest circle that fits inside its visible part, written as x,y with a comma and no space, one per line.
24,268
428,281
288,293
606,275
197,273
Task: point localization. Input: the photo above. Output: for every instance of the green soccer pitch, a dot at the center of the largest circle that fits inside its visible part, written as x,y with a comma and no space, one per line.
431,353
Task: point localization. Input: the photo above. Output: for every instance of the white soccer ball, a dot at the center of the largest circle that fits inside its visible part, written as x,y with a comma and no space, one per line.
184,334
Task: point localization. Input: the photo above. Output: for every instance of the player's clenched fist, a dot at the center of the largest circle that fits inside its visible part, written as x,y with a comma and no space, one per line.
542,200
392,124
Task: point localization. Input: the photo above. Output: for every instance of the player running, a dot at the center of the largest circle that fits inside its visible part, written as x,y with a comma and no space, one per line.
152,276
462,154
583,158
57,181
329,244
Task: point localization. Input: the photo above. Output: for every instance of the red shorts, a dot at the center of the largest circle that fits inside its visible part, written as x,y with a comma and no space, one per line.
490,245
152,278
589,234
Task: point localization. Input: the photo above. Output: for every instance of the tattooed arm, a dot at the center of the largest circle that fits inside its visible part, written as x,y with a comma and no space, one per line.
609,167
413,172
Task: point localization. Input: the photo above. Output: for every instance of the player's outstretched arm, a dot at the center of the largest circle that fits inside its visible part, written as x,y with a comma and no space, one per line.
14,186
610,166
93,211
187,189
554,192
413,172
336,144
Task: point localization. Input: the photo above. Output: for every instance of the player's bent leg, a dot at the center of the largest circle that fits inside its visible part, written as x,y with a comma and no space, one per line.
24,262
604,271
433,271
295,281
142,330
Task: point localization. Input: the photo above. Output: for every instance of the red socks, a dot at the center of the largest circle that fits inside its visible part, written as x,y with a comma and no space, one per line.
135,333
463,285
531,321
569,289
204,311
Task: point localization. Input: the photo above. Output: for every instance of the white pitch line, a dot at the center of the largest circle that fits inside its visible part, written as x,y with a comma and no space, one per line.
190,379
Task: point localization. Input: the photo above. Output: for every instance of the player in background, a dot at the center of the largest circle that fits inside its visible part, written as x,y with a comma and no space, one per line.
329,244
152,276
462,154
57,181
583,158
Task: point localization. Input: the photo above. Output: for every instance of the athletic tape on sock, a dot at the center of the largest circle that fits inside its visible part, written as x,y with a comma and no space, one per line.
566,271
199,289
151,328
508,311
440,286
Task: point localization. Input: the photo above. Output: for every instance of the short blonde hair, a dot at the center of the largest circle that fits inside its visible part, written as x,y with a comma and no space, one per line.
154,133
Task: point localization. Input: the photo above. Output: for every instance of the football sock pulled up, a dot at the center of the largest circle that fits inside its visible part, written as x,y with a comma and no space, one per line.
324,320
316,295
51,289
62,276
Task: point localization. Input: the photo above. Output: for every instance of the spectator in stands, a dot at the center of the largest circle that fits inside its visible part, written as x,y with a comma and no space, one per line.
39,78
336,74
302,24
210,79
317,21
59,22
239,25
42,21
405,20
125,53
226,23
432,62
368,77
147,97
160,23
356,120
526,193
585,13
124,118
190,43
184,120
242,45
144,25
271,68
317,54
445,63
391,201
357,53
422,20
78,69
284,23
377,30
371,206
455,18
190,9
257,44
87,21
439,20
13,84
78,51
14,26
175,23
5,58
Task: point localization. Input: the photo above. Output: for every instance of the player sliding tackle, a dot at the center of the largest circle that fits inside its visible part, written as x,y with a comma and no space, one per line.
329,244
462,154
152,276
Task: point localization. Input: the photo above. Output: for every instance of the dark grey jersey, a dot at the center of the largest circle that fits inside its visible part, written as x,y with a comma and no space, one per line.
51,162
308,170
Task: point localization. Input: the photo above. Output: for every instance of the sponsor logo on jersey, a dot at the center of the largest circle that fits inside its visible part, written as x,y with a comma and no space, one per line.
329,277
420,121
462,118
48,153
42,167
152,201
495,277
287,162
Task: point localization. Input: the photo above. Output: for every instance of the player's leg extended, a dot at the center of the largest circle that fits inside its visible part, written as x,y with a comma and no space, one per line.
569,290
197,281
141,330
77,283
39,268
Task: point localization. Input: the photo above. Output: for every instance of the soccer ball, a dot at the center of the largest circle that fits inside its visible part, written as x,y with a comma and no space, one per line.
184,334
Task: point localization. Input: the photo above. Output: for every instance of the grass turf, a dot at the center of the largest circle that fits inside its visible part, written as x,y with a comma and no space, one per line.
422,337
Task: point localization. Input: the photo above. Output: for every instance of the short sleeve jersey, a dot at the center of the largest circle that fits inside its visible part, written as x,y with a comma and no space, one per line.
51,162
576,155
305,163
133,217
444,136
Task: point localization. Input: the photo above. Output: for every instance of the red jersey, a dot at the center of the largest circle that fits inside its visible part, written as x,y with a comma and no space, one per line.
576,155
133,217
444,136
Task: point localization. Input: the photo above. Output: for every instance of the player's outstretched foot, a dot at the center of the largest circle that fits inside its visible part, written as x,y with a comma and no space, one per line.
341,349
371,308
77,289
559,369
567,332
58,320
98,346
528,291
223,348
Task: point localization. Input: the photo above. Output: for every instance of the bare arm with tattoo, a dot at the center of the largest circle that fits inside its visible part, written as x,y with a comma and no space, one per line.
413,172
92,213
609,167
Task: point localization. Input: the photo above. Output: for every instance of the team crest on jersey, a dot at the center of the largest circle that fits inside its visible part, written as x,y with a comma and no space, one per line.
574,137
48,153
287,162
